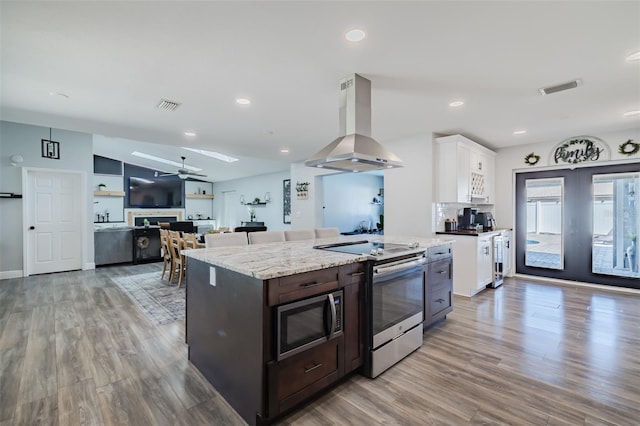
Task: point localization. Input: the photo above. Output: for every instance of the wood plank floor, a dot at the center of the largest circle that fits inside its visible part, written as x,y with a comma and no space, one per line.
75,350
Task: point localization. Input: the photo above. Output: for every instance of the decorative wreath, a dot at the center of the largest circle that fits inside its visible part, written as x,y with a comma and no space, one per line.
143,242
629,148
531,159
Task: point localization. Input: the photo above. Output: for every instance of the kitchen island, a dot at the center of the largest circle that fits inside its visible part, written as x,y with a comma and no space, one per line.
236,298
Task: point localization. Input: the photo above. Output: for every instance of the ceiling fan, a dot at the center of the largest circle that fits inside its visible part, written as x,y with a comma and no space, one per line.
183,172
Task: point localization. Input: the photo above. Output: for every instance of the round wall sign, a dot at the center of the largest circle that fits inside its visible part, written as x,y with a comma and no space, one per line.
580,149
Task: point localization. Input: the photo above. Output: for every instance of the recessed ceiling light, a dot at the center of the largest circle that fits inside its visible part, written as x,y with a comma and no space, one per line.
355,35
62,95
632,113
243,101
456,104
284,151
189,133
213,154
634,57
519,132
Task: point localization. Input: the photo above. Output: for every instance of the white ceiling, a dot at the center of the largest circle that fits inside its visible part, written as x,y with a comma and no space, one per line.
116,60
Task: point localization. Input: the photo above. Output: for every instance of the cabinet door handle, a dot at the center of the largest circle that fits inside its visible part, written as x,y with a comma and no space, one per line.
356,274
486,251
443,272
440,300
310,369
310,284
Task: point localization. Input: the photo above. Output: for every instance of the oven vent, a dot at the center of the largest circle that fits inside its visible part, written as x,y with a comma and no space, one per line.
560,87
168,105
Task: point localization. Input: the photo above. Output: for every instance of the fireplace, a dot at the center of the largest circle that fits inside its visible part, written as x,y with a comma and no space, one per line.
136,217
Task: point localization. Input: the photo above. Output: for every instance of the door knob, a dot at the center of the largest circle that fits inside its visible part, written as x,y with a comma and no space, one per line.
31,228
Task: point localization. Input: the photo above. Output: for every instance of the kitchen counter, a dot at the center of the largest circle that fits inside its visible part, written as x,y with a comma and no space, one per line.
273,260
473,233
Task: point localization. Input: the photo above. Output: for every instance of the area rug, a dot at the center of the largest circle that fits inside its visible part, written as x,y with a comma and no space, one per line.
160,302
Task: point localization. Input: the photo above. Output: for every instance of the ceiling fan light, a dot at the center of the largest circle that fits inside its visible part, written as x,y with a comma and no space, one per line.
182,176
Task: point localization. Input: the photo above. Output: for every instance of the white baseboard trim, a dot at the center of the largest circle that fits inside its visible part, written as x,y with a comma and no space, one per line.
89,266
7,275
579,284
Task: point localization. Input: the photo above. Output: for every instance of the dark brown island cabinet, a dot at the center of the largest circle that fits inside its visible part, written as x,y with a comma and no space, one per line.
238,328
232,332
438,288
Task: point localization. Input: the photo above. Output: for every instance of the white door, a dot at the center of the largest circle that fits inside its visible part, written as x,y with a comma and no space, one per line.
54,222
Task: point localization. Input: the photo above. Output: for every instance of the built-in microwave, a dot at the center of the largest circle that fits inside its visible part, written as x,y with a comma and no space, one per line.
307,323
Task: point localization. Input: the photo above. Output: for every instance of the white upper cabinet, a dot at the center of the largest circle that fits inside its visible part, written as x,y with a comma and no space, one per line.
465,171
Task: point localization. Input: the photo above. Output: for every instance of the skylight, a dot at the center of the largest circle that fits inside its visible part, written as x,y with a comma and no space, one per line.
213,154
165,161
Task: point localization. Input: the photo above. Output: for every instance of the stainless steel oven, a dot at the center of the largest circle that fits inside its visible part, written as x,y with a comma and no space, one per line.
308,322
397,303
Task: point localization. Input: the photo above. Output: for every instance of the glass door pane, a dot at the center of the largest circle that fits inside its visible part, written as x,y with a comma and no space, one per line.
615,224
544,215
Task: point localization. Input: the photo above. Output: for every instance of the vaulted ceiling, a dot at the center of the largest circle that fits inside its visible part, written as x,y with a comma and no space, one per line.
114,62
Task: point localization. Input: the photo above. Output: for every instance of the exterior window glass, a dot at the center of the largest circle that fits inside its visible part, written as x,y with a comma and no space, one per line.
615,224
544,245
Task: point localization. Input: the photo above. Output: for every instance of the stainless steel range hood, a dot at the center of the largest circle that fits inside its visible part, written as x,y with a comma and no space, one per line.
356,151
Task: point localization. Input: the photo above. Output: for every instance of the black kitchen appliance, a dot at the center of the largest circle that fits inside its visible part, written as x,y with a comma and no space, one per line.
468,218
146,244
486,220
394,294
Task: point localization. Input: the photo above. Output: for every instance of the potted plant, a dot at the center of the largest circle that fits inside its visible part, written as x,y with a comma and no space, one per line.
256,200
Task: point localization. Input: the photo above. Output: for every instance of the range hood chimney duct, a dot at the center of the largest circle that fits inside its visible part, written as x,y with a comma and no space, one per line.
355,151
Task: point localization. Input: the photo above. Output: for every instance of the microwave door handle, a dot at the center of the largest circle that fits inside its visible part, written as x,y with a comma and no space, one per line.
332,307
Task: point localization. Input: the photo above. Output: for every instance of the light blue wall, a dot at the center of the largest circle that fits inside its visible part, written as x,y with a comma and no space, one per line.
76,153
348,200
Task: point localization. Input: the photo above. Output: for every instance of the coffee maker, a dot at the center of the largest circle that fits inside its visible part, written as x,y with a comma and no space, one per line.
486,220
468,218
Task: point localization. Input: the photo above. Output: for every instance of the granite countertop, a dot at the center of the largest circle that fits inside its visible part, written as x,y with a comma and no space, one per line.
473,233
273,260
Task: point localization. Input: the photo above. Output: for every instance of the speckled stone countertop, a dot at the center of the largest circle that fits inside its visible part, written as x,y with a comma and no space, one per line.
273,260
473,233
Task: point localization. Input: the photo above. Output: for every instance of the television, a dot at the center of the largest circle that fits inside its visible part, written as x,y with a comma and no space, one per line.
158,192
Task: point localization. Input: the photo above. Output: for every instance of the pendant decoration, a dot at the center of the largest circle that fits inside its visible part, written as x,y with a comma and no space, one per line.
531,159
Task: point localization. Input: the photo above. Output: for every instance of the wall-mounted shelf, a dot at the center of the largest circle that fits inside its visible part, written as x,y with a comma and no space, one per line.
10,195
108,193
200,196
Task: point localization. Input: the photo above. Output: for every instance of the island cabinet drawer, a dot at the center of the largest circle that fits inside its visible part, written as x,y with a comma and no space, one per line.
438,252
296,378
300,286
439,272
439,301
353,273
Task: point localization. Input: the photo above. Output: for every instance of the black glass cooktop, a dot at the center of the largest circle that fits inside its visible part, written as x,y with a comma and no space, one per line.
367,248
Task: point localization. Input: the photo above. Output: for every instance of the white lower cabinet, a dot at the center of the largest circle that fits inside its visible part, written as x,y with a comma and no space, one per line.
472,263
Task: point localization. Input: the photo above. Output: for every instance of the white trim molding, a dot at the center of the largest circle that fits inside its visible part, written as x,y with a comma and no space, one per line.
7,275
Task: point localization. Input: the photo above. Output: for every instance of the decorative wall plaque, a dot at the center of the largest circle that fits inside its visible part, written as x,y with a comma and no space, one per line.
580,149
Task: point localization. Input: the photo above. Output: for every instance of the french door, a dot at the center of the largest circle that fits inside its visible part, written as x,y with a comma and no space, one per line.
580,225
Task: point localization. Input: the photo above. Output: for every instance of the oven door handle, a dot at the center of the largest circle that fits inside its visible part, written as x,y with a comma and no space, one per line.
383,270
332,309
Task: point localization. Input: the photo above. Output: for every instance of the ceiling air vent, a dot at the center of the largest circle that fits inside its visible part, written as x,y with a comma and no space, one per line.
560,87
168,105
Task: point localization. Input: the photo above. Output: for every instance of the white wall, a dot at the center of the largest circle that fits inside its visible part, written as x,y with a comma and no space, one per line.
76,153
255,186
408,203
509,160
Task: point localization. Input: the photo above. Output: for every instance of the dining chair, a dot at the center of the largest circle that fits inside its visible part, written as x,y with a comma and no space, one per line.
227,239
167,258
327,232
299,234
260,237
189,241
178,258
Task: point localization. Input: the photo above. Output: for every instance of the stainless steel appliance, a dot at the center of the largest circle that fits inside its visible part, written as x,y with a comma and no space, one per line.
498,261
394,300
486,220
307,323
354,150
